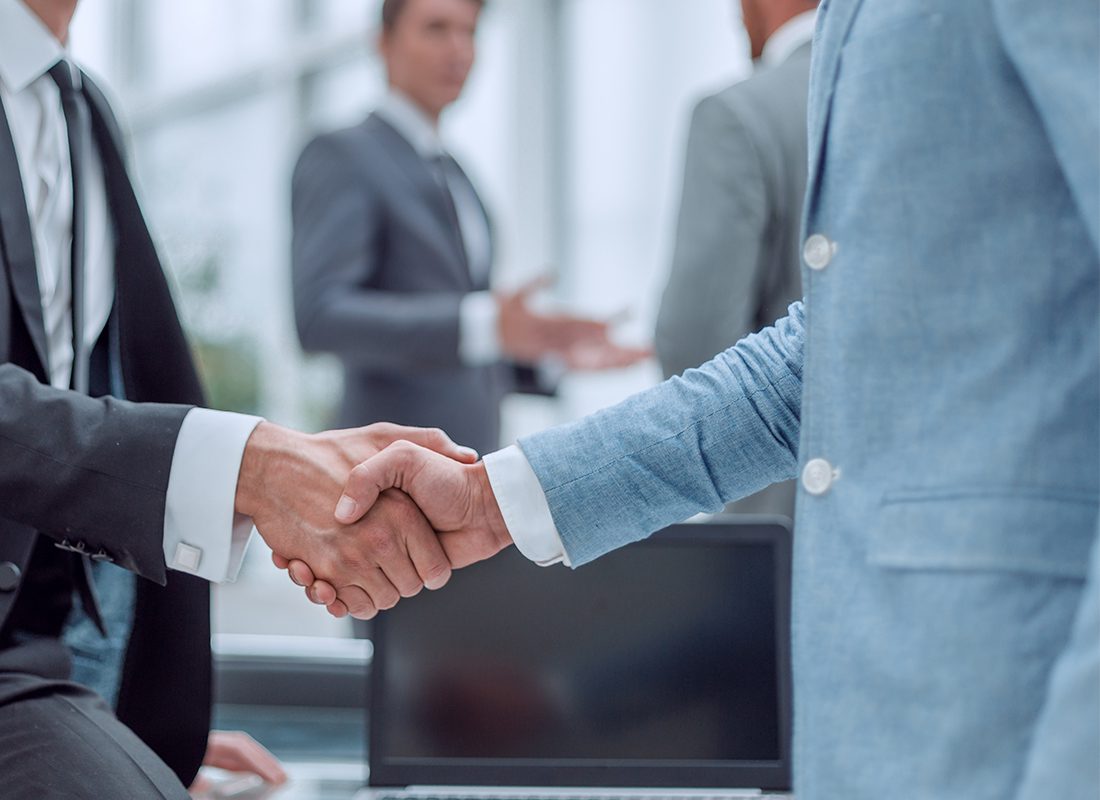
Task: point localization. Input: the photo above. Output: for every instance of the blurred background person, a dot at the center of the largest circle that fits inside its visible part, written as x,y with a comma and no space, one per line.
735,265
393,250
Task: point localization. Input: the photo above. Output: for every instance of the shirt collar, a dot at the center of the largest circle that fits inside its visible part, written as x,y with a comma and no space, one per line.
787,38
27,48
412,123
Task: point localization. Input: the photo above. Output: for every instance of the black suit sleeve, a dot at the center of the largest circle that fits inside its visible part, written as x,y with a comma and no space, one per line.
88,470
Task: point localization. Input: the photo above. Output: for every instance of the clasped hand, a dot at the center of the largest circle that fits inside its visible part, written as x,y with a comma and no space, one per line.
411,505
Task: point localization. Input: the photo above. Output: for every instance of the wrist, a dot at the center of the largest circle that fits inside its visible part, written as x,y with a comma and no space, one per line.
266,444
494,519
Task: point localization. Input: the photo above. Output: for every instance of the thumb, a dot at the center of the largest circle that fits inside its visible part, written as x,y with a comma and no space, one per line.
367,481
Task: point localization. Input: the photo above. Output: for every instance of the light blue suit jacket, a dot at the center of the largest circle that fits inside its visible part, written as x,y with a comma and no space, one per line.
946,365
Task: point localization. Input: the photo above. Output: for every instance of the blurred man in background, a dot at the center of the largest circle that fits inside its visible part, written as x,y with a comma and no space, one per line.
735,267
393,252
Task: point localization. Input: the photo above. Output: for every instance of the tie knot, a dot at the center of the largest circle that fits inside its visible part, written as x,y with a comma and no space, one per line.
62,75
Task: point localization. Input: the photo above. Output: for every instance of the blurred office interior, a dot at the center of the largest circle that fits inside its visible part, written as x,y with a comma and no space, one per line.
573,126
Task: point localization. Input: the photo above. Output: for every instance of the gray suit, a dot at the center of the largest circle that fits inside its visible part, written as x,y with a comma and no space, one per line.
379,275
735,267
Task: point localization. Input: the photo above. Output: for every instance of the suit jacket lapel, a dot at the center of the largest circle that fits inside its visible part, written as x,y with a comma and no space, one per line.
834,21
153,353
18,243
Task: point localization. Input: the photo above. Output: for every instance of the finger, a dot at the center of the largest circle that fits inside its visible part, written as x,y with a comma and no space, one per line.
609,356
333,605
534,286
300,573
322,593
358,602
426,552
238,752
309,595
436,440
564,332
416,557
261,762
402,575
383,594
337,609
368,480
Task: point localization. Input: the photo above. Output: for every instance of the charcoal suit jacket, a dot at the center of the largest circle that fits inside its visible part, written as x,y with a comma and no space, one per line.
91,475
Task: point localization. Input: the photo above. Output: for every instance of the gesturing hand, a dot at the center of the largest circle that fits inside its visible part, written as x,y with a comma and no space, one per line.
456,498
290,481
527,335
235,751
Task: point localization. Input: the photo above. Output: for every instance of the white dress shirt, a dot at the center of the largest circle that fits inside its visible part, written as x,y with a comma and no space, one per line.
478,337
202,533
788,37
516,487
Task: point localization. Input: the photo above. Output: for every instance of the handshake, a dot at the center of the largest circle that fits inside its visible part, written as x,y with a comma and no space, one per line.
364,517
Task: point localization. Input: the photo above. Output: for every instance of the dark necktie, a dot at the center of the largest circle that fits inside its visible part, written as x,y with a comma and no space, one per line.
443,166
78,123
79,126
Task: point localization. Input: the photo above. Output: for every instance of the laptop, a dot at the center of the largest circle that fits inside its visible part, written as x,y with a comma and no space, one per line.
659,670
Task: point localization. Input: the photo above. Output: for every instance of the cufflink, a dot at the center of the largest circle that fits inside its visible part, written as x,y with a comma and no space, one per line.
187,557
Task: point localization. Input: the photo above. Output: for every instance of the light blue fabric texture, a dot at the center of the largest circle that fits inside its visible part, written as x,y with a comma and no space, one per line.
946,364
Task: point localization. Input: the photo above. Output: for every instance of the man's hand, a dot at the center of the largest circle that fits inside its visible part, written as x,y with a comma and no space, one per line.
290,481
456,498
235,751
528,336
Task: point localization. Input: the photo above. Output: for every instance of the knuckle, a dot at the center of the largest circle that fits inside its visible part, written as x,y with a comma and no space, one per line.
403,448
356,564
382,545
359,476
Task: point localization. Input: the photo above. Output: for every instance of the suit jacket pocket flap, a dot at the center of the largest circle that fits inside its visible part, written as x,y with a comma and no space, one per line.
1014,530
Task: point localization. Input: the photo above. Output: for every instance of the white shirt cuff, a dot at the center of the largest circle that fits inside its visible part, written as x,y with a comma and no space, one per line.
478,329
203,534
523,505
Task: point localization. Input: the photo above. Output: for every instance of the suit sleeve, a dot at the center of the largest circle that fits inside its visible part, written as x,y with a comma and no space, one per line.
1057,55
711,296
339,239
689,445
87,470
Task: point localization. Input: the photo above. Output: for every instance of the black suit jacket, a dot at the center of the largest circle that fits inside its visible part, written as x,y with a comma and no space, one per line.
379,276
94,473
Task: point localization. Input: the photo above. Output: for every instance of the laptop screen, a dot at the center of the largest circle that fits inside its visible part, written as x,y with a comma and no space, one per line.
661,664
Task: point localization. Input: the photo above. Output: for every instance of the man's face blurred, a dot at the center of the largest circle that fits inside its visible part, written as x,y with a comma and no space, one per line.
430,50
